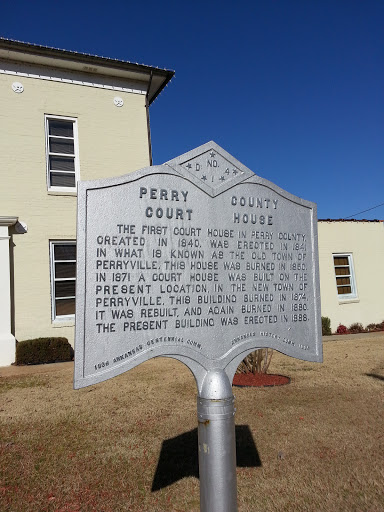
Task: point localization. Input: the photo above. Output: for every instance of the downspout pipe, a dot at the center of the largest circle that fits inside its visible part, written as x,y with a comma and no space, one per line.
148,122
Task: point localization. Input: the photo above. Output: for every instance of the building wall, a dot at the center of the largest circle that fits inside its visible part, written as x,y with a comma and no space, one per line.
365,241
112,141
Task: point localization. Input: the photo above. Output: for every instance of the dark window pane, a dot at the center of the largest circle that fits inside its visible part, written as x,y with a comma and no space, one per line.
61,146
342,271
341,260
60,128
344,290
65,270
343,280
62,179
61,163
65,252
65,307
65,288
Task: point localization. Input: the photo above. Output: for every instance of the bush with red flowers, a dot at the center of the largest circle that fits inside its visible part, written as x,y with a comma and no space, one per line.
357,328
342,329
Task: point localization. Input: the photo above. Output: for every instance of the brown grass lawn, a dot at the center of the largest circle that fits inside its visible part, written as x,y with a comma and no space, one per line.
129,444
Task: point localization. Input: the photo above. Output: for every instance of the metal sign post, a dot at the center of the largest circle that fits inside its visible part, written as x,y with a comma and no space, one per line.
217,444
201,260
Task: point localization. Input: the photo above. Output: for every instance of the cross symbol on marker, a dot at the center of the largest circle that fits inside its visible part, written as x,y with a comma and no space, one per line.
235,171
204,178
222,178
212,154
189,165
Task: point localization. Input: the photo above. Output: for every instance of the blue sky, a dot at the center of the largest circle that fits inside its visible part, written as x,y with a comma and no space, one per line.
292,88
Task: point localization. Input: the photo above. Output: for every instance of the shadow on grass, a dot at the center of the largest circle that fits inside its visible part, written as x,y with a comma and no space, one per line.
179,457
375,376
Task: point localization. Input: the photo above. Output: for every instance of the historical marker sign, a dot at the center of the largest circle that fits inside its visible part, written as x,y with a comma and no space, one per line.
197,259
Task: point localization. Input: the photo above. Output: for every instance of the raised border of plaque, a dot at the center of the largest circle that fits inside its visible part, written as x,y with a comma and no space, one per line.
198,259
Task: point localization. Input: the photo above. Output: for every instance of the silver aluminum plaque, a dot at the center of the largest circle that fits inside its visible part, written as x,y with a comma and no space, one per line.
197,259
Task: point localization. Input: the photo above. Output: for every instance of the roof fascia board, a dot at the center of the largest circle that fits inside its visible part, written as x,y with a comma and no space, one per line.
52,57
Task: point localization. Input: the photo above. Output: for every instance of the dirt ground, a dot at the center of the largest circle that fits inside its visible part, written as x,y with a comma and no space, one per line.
130,444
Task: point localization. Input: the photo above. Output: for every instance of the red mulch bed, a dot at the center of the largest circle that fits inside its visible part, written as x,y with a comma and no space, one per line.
259,380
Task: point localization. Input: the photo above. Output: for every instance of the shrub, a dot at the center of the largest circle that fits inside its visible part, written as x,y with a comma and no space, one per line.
43,350
356,328
257,361
375,327
326,326
342,329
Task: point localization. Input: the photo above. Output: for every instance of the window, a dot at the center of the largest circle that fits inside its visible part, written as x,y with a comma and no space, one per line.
63,279
62,153
345,279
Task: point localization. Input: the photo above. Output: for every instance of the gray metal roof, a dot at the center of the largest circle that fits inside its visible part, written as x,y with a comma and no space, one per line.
350,220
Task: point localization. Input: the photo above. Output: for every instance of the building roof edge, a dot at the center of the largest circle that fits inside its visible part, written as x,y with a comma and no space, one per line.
156,78
350,220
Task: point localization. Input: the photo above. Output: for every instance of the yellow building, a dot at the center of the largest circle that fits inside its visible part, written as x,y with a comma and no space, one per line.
64,117
351,255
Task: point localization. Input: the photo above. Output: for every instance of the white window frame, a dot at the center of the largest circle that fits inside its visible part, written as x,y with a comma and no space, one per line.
351,275
73,189
52,244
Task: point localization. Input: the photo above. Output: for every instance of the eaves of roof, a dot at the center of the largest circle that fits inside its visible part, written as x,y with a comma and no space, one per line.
155,78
